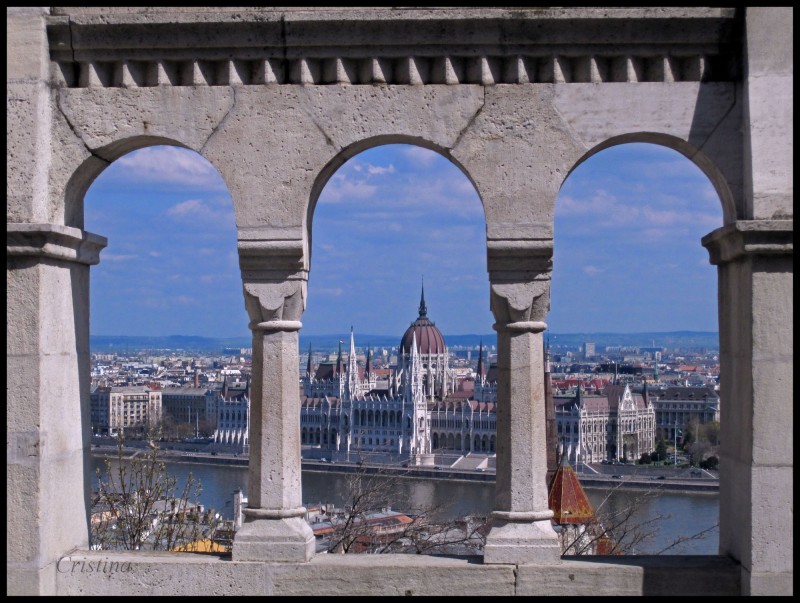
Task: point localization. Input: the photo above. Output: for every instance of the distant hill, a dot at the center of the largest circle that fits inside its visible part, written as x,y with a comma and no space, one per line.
117,343
195,343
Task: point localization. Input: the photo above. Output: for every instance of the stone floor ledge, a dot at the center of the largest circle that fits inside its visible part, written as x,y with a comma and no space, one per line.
163,573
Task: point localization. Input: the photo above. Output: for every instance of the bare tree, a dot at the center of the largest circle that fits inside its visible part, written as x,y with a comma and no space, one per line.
138,504
364,524
620,531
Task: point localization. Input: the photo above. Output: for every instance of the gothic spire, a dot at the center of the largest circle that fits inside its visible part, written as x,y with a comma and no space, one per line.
352,367
308,365
480,362
423,310
338,370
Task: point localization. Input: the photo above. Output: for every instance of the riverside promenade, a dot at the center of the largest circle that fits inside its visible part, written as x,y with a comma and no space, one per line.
624,476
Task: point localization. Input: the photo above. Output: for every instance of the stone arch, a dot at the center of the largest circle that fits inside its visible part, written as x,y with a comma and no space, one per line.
62,87
364,144
694,154
442,147
89,168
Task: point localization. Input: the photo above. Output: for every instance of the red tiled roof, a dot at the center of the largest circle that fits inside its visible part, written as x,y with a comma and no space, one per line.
566,497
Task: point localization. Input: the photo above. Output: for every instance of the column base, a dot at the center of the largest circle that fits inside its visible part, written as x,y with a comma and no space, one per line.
289,539
522,543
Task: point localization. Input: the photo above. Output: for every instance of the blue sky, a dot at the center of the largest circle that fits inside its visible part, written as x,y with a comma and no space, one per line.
627,246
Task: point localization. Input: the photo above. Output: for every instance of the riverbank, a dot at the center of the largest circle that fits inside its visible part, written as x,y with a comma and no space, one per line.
624,476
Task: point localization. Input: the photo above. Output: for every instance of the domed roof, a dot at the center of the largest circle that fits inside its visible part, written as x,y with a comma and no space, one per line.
429,338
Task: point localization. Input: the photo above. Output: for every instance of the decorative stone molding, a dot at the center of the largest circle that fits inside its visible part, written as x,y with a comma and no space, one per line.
521,306
54,241
275,306
272,263
270,259
523,516
748,238
189,47
411,71
273,513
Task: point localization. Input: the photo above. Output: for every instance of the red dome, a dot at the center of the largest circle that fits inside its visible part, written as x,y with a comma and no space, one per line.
429,338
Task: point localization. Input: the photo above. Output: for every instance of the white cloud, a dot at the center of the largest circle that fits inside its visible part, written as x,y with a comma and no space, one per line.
343,188
172,165
329,291
155,254
184,300
421,156
376,170
610,211
111,257
194,210
592,270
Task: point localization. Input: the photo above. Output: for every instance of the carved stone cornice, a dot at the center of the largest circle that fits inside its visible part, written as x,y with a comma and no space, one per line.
749,238
272,253
54,241
514,260
218,46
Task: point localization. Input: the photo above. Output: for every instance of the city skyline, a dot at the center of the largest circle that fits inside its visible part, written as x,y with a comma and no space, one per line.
627,256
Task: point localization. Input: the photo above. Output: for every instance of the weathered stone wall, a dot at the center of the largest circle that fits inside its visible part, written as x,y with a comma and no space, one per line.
277,100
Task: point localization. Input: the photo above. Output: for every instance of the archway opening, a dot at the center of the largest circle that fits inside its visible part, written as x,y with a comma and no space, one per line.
399,255
167,317
633,328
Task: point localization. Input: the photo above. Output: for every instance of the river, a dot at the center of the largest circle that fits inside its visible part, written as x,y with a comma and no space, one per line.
674,515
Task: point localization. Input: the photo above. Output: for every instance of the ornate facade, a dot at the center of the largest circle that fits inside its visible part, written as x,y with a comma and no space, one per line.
415,412
615,425
233,418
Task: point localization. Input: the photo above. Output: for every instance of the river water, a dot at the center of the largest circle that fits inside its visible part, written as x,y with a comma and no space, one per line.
673,515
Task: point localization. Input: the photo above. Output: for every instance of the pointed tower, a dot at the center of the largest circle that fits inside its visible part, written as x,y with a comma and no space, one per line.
423,309
480,376
338,373
431,345
352,369
368,369
338,370
309,367
566,497
415,397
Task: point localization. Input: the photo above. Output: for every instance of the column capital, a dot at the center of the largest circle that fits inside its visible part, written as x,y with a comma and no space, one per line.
275,306
275,276
54,241
521,306
749,238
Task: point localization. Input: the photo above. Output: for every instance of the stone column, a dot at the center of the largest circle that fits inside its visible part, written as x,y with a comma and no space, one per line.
521,529
274,527
755,268
48,476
